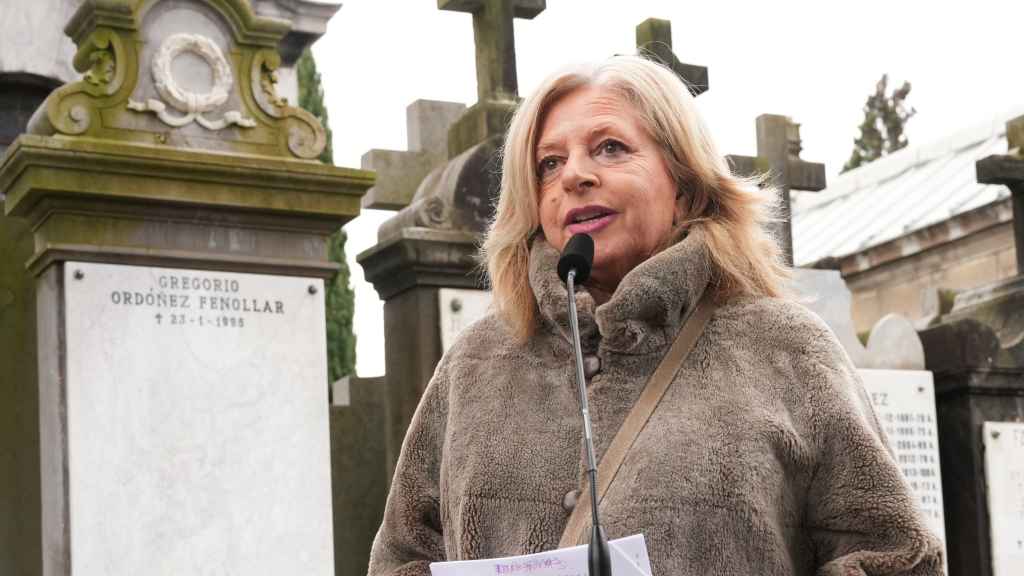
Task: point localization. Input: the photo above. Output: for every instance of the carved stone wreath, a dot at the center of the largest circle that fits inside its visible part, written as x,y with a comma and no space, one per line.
191,104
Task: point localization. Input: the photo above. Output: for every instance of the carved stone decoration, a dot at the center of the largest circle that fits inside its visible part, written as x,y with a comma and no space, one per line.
72,109
268,84
306,138
102,70
191,104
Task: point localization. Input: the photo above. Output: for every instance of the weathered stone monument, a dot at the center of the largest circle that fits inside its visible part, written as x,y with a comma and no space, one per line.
778,154
977,354
170,395
431,243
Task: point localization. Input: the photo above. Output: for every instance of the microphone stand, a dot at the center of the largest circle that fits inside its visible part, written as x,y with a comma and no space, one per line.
598,559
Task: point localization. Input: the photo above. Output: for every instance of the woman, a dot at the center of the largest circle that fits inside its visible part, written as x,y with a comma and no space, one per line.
764,456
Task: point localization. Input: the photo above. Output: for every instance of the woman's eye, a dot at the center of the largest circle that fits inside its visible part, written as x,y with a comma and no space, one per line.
546,166
612,147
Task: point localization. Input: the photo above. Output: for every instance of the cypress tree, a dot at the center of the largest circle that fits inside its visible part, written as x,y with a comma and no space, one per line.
341,341
881,132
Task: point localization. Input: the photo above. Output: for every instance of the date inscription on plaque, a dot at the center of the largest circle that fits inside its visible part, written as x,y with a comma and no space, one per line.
904,401
197,422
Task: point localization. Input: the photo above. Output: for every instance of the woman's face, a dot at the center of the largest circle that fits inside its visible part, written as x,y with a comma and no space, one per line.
602,174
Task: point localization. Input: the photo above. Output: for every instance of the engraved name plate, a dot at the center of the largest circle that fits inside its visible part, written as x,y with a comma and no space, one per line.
1004,478
904,401
460,308
197,422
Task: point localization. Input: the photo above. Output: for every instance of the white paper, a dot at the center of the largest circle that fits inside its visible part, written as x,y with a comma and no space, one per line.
628,556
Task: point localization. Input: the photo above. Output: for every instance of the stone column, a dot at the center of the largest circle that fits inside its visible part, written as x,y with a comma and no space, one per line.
186,220
977,354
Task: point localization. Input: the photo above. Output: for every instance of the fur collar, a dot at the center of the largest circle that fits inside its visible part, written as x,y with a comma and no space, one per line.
645,312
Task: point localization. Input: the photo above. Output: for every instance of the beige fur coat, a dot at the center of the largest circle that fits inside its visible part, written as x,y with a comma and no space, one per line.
764,457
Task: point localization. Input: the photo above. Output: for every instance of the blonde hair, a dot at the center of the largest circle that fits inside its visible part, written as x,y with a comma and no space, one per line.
730,211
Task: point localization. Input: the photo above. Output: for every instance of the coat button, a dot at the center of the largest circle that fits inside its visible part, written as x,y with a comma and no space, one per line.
591,366
569,502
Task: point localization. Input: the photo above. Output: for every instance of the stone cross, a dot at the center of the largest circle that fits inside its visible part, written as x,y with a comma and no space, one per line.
496,85
654,41
1008,170
399,173
778,152
495,42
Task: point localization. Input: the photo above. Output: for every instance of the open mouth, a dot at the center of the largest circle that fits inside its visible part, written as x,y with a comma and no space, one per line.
588,219
587,214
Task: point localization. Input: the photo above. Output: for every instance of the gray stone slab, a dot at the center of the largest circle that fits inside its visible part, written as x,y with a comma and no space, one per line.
1004,477
359,479
893,342
197,422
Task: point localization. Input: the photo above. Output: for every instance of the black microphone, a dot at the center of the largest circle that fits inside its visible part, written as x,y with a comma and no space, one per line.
574,265
577,255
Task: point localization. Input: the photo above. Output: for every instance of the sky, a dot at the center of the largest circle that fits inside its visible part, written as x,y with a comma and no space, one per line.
815,61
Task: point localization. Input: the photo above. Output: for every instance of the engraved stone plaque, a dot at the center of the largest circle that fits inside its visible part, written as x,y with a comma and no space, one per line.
904,401
460,308
197,422
1004,479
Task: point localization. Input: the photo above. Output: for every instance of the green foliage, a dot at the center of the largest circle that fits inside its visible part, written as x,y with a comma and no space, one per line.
881,132
311,98
341,342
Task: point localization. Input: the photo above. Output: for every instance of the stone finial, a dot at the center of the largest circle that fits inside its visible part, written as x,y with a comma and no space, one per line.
778,152
654,41
400,173
496,82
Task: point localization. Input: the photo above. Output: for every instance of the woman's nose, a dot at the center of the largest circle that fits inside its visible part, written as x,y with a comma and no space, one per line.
579,173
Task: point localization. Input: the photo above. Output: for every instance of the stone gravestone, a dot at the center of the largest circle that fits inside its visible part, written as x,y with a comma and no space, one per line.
1004,475
432,242
179,226
778,155
977,354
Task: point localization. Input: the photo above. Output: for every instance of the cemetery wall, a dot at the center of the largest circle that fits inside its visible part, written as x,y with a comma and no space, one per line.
907,286
359,483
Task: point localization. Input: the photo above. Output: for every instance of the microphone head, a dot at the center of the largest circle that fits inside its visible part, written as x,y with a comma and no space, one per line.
579,254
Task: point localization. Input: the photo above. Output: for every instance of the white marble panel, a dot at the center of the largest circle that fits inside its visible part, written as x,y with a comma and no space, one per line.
904,401
460,308
1004,479
197,423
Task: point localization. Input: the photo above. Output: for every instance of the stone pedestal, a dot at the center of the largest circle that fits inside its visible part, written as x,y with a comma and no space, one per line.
977,355
169,228
407,270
